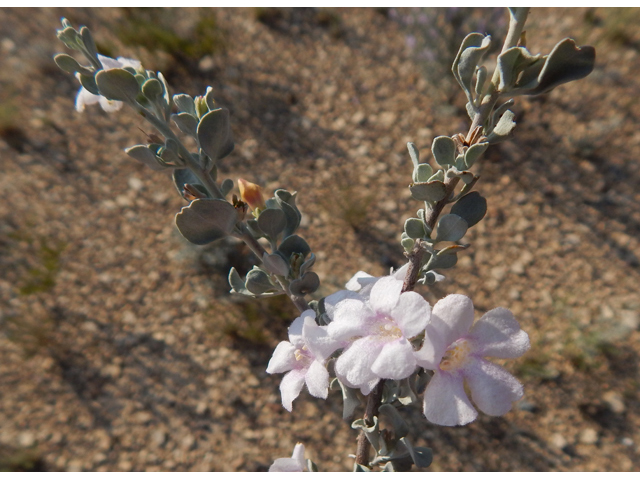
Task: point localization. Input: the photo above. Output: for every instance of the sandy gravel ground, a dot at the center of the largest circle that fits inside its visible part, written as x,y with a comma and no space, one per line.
120,347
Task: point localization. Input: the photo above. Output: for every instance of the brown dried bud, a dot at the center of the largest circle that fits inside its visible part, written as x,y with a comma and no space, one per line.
251,194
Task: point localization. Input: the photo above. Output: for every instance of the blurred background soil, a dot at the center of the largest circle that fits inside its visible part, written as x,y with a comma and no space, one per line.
120,346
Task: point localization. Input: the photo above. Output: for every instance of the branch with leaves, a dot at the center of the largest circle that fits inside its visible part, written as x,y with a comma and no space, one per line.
378,339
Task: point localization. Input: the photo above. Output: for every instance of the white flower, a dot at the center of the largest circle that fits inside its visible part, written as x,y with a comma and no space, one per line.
455,350
378,322
294,464
85,97
304,357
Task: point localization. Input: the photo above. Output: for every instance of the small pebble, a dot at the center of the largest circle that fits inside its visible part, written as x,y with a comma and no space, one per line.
558,441
588,436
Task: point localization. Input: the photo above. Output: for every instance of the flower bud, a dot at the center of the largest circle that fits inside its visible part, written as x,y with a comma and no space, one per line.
251,194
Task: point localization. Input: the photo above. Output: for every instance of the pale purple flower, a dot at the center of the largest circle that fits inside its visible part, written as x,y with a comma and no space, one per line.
304,357
378,323
455,351
294,464
85,97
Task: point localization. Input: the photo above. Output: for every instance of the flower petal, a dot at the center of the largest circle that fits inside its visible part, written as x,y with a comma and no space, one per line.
283,358
353,366
446,403
395,361
109,105
493,389
298,455
295,329
360,280
109,63
129,62
317,380
498,334
332,300
350,318
291,386
412,313
85,97
385,294
451,319
285,465
318,341
401,272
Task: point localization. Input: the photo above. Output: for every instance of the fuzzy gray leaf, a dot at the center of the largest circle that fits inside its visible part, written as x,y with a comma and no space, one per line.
118,84
206,220
214,134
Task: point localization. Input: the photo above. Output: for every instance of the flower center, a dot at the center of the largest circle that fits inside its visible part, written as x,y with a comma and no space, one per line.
301,353
456,356
388,328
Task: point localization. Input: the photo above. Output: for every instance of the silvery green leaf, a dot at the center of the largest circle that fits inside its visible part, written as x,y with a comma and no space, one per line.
414,154
70,65
275,264
252,225
214,134
565,63
421,456
474,152
208,97
422,173
407,243
88,82
414,228
503,128
308,263
512,62
497,113
439,175
472,208
118,84
152,89
481,78
258,282
306,285
287,202
466,176
444,261
187,123
444,150
294,244
272,222
451,228
431,277
69,37
459,163
169,157
206,220
473,48
429,191
185,104
471,110
372,433
184,175
166,96
143,154
400,427
89,44
226,187
236,283
406,395
350,399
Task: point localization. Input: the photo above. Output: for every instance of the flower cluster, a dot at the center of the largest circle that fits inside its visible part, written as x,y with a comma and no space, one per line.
380,332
